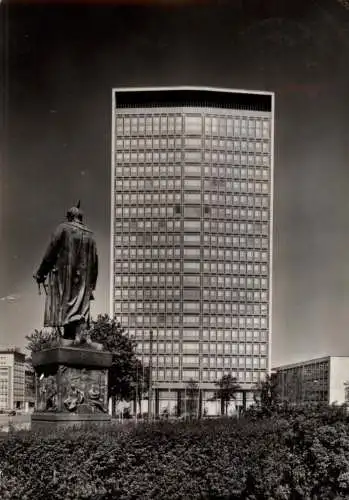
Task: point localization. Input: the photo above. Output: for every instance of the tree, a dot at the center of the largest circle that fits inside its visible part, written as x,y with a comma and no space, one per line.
124,374
192,398
227,389
267,392
140,385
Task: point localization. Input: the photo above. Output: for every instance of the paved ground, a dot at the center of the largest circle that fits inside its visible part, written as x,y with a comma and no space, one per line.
19,421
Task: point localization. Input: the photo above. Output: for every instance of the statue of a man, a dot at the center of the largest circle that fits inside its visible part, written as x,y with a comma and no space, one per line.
71,266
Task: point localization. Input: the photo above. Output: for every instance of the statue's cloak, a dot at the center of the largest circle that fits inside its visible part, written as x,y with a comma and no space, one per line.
71,264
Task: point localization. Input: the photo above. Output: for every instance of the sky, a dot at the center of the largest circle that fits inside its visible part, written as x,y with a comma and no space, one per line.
58,66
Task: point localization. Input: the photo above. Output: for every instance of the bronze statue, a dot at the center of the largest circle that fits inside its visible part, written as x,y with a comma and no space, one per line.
70,265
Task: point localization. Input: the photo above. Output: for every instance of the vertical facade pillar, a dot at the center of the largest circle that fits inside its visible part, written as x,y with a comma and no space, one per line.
244,395
179,403
200,404
156,402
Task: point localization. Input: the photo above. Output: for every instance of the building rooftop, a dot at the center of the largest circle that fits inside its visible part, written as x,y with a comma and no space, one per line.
193,96
11,350
308,362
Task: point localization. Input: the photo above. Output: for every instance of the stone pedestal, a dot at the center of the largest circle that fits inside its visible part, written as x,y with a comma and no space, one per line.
72,387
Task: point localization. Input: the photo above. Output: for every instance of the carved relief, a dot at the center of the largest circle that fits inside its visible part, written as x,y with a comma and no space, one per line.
74,390
48,394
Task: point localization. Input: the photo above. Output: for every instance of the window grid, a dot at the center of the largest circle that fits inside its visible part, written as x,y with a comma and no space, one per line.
226,180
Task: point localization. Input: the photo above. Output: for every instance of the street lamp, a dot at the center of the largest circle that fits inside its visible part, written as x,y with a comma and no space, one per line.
346,392
150,391
136,389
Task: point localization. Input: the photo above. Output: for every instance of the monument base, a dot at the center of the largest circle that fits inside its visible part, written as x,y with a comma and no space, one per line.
72,387
42,421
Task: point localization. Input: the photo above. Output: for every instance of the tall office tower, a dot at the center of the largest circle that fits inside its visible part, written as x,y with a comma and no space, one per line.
191,234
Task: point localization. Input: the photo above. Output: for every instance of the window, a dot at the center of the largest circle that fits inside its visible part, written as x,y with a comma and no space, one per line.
192,225
191,267
192,170
191,281
192,211
192,198
190,360
192,184
190,347
177,209
205,348
191,334
263,348
191,239
192,253
193,156
191,307
193,124
193,143
191,320
190,374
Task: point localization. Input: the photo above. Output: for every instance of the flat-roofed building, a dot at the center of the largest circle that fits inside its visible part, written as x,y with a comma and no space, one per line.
12,379
191,234
324,380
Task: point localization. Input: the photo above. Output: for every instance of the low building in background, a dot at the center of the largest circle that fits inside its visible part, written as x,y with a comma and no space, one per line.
12,386
322,380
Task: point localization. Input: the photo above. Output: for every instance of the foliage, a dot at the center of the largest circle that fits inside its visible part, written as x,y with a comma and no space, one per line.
192,394
42,339
127,377
266,393
122,374
227,389
140,384
296,453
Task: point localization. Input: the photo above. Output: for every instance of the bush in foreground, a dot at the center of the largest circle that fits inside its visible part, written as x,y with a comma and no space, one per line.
303,455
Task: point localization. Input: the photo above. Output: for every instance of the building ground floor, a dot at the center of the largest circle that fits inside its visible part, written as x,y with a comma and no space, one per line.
26,406
183,401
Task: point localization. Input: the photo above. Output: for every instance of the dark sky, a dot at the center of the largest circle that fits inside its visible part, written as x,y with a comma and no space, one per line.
59,64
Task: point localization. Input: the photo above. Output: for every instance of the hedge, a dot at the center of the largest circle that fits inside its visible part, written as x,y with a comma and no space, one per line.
293,455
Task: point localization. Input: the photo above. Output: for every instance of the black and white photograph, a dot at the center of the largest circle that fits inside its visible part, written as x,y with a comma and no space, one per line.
174,249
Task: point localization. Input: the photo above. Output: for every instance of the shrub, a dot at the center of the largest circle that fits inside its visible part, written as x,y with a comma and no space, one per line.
300,455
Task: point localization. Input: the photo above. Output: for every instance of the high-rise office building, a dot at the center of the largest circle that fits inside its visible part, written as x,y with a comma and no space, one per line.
191,233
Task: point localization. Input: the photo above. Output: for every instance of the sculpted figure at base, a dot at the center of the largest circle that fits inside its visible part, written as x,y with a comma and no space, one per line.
70,266
74,399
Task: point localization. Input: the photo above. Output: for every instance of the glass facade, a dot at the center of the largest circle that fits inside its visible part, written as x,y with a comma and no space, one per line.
305,382
191,238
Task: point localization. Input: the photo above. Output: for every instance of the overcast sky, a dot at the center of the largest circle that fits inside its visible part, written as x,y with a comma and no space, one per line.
59,65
